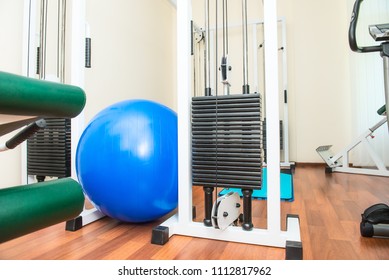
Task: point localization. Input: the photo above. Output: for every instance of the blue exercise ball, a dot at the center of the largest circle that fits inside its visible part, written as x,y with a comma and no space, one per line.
126,161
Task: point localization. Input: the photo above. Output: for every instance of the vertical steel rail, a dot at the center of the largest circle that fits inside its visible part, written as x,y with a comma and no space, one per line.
61,42
224,67
207,52
42,44
246,88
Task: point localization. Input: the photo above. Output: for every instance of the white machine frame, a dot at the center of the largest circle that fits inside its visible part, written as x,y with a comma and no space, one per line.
79,31
182,223
285,162
77,70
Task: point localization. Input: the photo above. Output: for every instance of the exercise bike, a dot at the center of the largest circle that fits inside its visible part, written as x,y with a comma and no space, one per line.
375,219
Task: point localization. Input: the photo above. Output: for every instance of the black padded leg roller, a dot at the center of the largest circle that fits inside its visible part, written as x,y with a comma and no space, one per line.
26,133
247,223
208,203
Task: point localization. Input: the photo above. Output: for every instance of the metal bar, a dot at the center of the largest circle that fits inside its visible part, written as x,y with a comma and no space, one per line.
246,89
363,171
378,125
62,40
386,83
77,70
207,52
183,111
216,48
255,58
272,116
285,91
42,44
374,156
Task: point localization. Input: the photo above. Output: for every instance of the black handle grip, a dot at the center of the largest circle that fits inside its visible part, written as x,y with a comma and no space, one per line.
88,52
382,111
26,133
352,39
208,201
247,223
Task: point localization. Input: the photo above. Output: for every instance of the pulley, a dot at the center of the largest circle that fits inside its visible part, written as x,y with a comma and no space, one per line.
225,210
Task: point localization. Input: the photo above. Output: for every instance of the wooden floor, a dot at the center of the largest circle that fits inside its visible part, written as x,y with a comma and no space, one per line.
329,206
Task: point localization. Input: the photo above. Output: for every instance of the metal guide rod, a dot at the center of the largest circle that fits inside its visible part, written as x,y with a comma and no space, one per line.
207,52
42,44
217,48
246,88
225,28
255,57
224,66
61,42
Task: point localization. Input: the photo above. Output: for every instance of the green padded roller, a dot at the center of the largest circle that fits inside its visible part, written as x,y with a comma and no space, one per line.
31,97
381,111
25,209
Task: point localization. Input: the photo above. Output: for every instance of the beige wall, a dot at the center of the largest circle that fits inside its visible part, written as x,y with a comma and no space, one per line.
133,56
319,81
133,53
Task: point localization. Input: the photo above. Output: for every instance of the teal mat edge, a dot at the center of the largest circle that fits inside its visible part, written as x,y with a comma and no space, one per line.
287,188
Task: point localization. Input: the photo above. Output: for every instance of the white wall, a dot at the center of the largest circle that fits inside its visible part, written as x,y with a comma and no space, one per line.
319,80
11,30
133,53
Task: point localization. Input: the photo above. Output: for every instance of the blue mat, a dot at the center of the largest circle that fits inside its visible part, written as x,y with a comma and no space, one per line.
286,181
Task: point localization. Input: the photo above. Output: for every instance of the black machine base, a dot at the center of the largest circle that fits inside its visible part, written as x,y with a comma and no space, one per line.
160,235
74,225
294,250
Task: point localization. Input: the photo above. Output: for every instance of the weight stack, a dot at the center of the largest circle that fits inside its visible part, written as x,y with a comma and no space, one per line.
227,141
49,150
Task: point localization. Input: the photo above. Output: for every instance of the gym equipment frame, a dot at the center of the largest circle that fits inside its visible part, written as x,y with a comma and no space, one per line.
34,36
375,219
182,223
80,39
285,161
340,162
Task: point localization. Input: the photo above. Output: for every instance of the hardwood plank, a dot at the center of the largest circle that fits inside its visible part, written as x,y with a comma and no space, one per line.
329,207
